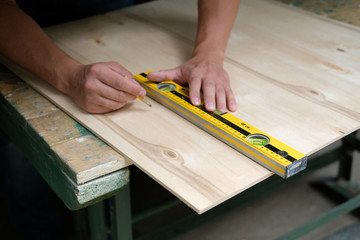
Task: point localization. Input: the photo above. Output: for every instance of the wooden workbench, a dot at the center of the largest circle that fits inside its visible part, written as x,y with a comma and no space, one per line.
70,158
80,168
279,73
74,152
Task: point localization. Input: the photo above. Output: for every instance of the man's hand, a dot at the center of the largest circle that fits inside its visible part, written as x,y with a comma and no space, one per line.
202,75
103,87
96,88
204,71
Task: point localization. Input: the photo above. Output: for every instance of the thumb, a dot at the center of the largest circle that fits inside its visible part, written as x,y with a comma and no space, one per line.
163,75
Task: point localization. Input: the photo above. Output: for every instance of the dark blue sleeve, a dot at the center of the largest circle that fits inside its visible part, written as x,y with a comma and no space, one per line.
47,13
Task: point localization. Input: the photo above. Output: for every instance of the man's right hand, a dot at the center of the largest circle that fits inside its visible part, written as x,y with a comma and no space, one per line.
102,87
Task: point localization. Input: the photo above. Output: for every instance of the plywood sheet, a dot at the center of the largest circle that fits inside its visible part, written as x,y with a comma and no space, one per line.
277,89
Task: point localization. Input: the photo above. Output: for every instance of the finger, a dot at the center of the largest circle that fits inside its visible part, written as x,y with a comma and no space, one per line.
194,90
231,101
125,73
112,105
163,75
96,109
121,83
114,94
220,99
115,66
98,104
208,89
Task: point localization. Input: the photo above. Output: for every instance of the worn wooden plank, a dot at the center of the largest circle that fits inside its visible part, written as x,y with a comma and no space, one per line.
46,160
95,160
266,60
24,98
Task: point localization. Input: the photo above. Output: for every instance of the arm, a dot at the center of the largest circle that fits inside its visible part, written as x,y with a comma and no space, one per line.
96,88
204,71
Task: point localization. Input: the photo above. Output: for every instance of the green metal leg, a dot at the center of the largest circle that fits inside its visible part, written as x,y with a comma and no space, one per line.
92,221
340,185
120,214
343,208
97,224
80,220
346,162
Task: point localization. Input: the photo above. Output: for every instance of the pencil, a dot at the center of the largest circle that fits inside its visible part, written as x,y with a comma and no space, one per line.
144,100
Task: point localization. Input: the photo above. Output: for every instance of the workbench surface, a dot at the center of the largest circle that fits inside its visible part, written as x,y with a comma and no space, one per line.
298,73
78,166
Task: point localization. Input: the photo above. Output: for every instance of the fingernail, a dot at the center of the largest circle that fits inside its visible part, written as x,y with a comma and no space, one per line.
142,92
149,75
210,106
232,107
196,101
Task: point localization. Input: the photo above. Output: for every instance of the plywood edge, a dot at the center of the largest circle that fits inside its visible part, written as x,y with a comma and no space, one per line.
201,211
333,141
89,158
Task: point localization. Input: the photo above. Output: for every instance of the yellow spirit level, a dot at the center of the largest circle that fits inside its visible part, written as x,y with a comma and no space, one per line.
255,144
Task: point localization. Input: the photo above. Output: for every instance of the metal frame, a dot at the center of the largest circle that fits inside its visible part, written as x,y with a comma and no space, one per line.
340,185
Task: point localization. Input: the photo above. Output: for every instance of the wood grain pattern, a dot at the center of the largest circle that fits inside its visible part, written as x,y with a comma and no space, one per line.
304,54
299,88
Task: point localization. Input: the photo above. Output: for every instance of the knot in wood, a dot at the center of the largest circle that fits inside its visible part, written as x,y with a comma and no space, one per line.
170,154
314,92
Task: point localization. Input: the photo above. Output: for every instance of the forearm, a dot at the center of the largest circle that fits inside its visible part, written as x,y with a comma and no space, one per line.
204,72
215,21
96,88
25,43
